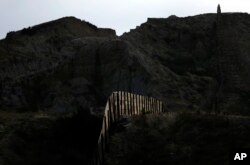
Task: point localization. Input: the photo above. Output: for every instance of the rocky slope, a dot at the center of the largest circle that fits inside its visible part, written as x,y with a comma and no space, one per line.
191,63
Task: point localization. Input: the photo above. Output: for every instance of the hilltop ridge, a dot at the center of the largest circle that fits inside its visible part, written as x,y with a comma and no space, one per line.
66,25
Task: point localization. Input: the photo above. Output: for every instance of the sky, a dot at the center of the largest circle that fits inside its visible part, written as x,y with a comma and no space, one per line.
121,15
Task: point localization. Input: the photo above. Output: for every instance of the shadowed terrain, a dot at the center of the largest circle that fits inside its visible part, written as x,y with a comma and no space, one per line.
43,138
178,139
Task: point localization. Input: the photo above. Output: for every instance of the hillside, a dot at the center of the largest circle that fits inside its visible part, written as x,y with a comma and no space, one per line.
38,68
191,63
66,69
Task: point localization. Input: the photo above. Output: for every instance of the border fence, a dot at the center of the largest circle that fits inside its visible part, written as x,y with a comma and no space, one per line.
121,104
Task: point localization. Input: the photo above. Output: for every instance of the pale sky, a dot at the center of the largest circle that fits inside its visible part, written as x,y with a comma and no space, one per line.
121,15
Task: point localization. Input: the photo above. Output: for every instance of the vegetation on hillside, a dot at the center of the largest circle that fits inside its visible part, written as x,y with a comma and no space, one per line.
179,139
40,138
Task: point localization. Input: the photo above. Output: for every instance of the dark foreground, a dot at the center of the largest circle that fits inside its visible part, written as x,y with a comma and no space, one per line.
179,139
47,139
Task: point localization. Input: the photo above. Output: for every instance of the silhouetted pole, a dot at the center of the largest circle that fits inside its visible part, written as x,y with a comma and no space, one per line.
218,9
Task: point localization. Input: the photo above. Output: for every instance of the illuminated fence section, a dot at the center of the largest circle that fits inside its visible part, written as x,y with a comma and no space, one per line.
121,104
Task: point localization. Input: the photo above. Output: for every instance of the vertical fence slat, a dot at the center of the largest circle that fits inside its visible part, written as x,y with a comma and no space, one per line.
109,112
161,107
121,103
124,102
139,112
147,103
144,103
135,104
158,108
155,106
128,110
121,98
131,103
114,107
128,104
136,100
111,109
126,95
152,104
118,105
106,134
149,108
139,105
141,102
